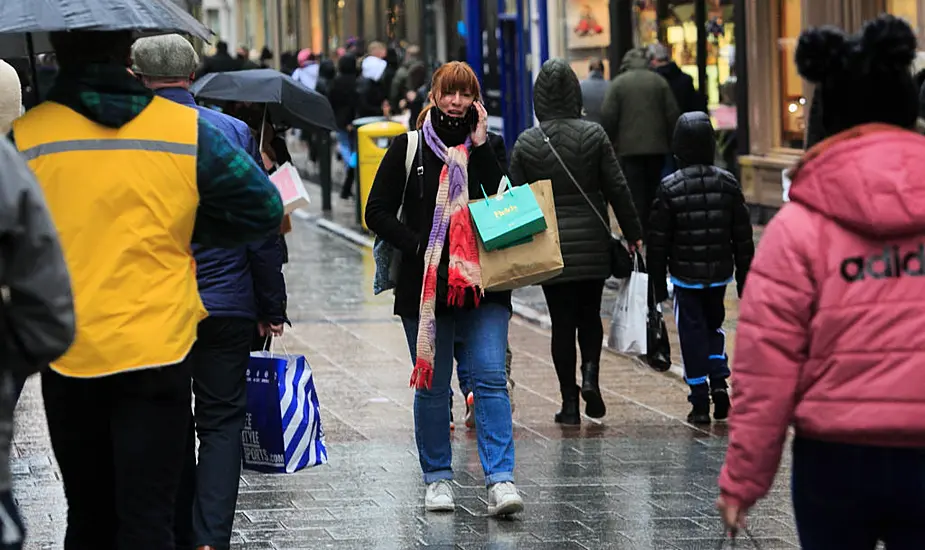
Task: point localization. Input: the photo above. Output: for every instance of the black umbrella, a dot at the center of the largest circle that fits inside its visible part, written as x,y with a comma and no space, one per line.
287,101
25,24
32,16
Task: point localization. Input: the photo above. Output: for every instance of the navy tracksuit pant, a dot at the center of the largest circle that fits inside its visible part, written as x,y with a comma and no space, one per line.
699,313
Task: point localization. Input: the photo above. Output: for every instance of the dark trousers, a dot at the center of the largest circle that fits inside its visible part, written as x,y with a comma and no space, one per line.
574,308
209,492
643,175
850,496
699,313
119,442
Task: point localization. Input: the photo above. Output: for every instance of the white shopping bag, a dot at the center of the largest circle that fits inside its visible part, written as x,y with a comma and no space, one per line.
290,186
628,332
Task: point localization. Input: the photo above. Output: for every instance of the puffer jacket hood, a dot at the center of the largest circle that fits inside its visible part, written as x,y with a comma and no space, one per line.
865,179
694,142
557,92
635,60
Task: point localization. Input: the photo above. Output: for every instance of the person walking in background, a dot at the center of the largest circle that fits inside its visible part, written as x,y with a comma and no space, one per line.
344,101
221,62
584,182
131,180
38,308
686,95
831,336
307,73
372,96
402,82
688,98
593,90
240,288
640,114
442,312
701,234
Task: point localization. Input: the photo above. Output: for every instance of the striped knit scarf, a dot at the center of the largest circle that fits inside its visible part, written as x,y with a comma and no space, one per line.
451,222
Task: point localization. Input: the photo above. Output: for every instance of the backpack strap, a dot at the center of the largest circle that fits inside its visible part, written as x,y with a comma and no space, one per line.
413,149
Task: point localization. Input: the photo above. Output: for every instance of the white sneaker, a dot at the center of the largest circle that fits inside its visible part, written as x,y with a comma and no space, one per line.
439,497
504,500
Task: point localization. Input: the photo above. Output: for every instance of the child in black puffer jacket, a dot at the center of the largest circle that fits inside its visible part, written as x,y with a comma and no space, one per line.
701,235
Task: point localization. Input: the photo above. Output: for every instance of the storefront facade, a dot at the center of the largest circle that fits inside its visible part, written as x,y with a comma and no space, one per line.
777,98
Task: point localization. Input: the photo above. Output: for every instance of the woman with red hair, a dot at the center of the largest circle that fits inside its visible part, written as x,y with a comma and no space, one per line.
439,294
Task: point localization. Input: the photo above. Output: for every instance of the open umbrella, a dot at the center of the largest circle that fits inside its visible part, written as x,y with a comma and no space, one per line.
24,25
30,16
287,101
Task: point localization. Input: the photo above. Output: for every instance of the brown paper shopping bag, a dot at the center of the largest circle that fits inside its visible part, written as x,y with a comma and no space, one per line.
530,263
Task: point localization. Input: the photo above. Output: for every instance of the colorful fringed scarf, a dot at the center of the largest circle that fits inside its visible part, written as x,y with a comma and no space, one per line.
451,222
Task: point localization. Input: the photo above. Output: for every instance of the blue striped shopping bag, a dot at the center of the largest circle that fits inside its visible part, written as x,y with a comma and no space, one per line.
282,432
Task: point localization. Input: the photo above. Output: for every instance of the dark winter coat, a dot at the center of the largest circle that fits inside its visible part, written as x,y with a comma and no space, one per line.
700,231
639,110
589,156
326,74
682,87
411,236
343,92
593,90
370,95
247,281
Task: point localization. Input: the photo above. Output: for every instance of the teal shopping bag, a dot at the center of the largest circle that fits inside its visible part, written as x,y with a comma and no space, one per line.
509,218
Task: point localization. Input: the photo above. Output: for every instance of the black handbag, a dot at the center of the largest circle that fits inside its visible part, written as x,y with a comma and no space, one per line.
621,261
658,347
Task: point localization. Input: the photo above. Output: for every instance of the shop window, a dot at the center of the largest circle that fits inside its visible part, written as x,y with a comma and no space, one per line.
587,34
793,105
907,9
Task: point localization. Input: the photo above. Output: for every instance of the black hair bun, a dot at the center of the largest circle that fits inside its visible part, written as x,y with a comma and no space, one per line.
889,42
821,51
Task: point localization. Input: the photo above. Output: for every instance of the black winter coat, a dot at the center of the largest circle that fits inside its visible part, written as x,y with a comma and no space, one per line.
587,152
342,92
411,236
700,230
682,86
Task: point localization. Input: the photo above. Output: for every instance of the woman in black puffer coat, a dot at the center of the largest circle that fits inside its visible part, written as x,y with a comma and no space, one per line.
574,297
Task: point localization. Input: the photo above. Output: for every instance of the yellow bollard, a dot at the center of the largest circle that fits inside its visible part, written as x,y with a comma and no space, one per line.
373,141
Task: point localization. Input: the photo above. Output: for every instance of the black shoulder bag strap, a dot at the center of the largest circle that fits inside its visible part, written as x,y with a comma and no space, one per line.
577,185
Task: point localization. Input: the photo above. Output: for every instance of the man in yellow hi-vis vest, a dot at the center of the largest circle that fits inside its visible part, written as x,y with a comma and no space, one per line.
131,180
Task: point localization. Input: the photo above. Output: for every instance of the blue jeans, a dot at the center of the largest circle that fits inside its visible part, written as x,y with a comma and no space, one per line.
480,338
850,496
345,145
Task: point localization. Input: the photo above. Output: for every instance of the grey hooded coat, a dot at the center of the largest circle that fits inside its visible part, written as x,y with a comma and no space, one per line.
587,152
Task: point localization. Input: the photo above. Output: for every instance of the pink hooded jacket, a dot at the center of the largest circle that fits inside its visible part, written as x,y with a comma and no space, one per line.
831,334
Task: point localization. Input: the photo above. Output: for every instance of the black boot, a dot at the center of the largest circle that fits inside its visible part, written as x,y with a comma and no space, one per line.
721,403
569,414
591,391
700,413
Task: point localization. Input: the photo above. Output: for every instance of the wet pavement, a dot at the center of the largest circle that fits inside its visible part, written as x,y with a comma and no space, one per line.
640,479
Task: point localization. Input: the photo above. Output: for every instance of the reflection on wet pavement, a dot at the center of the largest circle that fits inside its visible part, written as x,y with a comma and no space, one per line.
641,479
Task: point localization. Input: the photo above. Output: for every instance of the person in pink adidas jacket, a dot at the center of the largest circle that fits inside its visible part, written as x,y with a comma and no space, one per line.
831,335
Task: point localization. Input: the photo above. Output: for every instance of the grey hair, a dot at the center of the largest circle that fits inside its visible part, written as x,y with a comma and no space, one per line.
659,52
164,56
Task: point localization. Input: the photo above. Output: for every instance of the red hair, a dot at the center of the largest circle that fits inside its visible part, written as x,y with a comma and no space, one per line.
452,77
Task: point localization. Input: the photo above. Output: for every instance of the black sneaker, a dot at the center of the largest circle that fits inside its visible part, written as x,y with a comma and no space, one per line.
700,414
721,404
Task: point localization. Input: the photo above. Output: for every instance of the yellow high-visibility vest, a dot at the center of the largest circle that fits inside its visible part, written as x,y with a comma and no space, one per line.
124,203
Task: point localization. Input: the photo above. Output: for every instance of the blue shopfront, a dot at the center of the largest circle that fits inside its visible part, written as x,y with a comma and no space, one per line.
494,37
